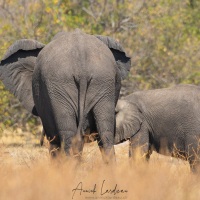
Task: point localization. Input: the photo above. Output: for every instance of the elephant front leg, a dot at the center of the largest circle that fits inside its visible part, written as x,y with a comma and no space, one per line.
139,146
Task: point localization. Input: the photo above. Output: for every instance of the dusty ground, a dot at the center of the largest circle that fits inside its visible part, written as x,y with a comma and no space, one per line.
26,173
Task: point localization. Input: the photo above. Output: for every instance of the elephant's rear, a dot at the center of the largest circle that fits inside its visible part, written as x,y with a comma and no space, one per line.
75,74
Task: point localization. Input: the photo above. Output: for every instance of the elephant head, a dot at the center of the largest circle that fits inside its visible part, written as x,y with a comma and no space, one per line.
128,120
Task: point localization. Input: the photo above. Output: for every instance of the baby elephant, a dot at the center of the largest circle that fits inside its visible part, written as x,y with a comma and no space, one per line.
165,120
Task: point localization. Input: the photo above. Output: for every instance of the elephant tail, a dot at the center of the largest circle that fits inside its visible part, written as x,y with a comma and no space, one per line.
81,105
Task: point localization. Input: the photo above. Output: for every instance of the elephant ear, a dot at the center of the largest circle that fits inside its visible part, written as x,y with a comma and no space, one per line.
123,61
128,121
16,69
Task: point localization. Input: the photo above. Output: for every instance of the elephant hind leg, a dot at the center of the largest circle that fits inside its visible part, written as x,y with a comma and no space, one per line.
100,144
67,140
73,144
104,117
66,123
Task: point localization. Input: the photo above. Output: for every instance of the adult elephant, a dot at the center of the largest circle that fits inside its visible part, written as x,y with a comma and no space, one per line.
72,83
165,120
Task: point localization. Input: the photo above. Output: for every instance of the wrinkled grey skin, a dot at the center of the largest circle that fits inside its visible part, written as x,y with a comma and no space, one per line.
164,120
72,84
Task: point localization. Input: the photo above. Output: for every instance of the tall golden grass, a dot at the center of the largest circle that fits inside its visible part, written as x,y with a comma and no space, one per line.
27,173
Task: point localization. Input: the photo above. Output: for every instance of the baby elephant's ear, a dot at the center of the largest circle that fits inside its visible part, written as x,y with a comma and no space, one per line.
128,121
123,61
16,70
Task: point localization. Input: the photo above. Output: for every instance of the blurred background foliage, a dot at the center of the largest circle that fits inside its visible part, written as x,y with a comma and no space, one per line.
161,36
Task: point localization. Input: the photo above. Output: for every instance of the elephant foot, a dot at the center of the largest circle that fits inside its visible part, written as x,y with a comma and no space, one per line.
54,151
108,155
54,147
107,150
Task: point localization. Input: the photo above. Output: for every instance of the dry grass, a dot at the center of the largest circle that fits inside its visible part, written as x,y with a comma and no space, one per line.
27,173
